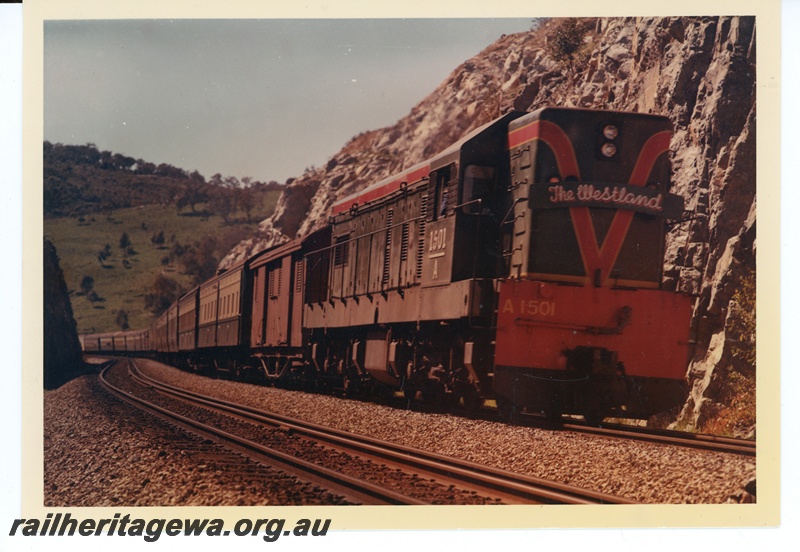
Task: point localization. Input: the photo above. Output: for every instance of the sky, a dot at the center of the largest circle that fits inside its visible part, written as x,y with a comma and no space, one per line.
258,98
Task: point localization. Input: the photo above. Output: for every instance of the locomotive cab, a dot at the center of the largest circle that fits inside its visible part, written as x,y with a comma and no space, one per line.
469,200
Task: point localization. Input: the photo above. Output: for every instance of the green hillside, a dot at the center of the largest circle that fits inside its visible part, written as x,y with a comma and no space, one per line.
121,281
131,236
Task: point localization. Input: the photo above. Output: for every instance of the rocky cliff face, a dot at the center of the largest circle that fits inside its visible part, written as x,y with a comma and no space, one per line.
62,351
698,71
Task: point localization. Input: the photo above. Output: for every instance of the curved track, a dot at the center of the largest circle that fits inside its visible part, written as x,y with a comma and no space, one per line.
355,489
503,486
745,447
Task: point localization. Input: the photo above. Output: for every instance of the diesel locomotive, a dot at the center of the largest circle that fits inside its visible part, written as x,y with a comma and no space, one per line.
522,265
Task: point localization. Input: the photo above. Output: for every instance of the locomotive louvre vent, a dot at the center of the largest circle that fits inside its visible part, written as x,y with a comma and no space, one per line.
340,252
271,285
404,243
387,252
423,214
275,283
299,273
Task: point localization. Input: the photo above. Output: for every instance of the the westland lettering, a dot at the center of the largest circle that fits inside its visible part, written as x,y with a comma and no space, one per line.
634,198
621,196
615,195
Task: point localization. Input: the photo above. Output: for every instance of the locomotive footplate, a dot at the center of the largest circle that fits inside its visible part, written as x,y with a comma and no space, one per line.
556,392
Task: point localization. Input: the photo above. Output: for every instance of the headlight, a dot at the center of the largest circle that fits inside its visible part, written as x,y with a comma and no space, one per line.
608,149
610,132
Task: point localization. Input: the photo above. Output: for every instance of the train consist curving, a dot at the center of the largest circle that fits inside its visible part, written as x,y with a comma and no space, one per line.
522,264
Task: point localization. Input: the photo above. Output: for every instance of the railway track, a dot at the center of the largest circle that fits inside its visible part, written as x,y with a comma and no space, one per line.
424,467
714,443
352,488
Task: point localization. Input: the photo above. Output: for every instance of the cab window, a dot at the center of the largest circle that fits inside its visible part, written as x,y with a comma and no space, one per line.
479,189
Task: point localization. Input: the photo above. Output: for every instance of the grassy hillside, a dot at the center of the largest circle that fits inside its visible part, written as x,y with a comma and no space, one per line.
120,225
126,275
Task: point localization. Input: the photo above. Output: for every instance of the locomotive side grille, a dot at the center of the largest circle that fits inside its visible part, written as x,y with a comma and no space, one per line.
274,283
404,243
423,213
271,285
387,251
341,251
298,275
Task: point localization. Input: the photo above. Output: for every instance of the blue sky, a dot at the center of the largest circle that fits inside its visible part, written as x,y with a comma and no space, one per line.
258,98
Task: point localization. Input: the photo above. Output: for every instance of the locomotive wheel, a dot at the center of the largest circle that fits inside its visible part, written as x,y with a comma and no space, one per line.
349,387
353,386
594,419
434,398
553,415
380,393
507,410
472,401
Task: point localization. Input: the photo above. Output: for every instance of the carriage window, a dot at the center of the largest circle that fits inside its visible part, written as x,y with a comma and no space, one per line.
479,189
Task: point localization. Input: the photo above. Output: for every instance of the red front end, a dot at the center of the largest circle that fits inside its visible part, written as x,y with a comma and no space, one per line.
587,350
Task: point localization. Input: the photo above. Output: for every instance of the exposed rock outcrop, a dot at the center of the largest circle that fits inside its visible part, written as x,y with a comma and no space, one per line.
62,351
699,71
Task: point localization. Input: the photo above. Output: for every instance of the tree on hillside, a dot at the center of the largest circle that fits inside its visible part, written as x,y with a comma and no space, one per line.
158,239
565,44
245,200
165,169
144,167
80,155
79,180
190,195
122,320
193,192
162,294
122,162
104,254
87,284
221,202
105,160
177,251
200,260
215,180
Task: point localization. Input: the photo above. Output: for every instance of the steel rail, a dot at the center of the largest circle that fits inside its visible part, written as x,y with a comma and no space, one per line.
509,486
691,440
351,487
